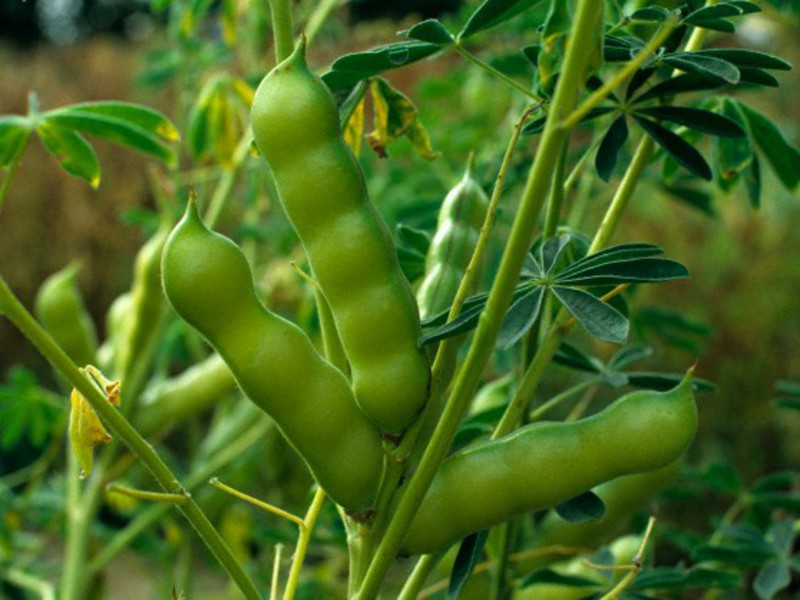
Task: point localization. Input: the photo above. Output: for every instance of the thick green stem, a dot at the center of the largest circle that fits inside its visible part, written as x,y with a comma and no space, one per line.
536,190
282,28
21,318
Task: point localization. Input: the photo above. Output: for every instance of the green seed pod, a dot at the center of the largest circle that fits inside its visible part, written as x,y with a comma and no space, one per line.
61,309
209,283
545,464
460,220
322,189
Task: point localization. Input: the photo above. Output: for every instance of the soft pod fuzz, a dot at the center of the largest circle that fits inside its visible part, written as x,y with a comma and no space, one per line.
545,464
322,189
460,220
209,283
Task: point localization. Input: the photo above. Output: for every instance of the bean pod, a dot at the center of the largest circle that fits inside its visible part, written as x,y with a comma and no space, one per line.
545,464
460,220
322,189
209,283
61,309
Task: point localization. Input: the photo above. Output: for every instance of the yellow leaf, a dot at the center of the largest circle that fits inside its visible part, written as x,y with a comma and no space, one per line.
354,129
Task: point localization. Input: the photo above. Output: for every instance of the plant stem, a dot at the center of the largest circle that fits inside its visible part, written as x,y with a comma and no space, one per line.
557,189
282,28
622,75
499,74
417,578
222,192
321,13
28,582
22,319
535,193
302,544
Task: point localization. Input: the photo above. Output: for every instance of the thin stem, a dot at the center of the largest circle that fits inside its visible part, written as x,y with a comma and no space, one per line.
22,580
499,74
276,572
418,576
222,192
117,488
318,17
282,28
22,319
557,189
256,502
539,411
302,544
622,75
521,236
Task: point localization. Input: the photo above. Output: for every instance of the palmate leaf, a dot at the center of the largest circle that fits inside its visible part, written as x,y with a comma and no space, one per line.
681,150
742,57
680,84
709,67
638,270
72,150
714,11
782,156
601,320
552,250
697,119
520,317
618,253
608,151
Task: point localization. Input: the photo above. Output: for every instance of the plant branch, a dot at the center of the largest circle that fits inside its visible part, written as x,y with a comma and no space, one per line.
282,28
499,74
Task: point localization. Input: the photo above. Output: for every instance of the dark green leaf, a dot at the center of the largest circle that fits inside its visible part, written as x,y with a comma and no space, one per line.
607,154
478,300
677,147
469,554
71,150
752,179
431,31
779,481
666,381
781,535
552,577
531,267
494,12
746,6
618,253
697,119
637,270
788,403
569,356
151,121
598,318
464,322
520,318
672,326
677,579
709,67
629,355
412,263
650,14
531,53
115,130
14,133
716,25
778,500
714,11
732,155
786,386
758,77
721,477
694,197
586,507
552,250
537,125
637,81
620,49
351,68
743,57
783,156
27,410
416,239
771,579
680,84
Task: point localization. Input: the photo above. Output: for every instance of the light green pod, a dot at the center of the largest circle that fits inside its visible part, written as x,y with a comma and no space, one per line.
209,283
60,308
460,220
321,187
545,464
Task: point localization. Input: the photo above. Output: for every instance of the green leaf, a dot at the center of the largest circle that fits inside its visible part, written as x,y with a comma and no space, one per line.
114,130
677,579
650,14
716,25
732,155
431,31
698,199
758,77
743,57
629,355
413,238
680,84
552,250
598,318
697,119
71,150
537,126
771,579
151,121
708,67
570,356
464,322
752,179
586,507
715,11
746,6
638,270
27,410
351,68
14,134
663,382
520,318
618,253
783,156
786,386
469,554
607,154
677,147
551,577
619,49
494,12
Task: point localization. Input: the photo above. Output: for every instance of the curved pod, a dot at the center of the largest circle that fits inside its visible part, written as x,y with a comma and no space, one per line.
545,464
209,283
322,189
